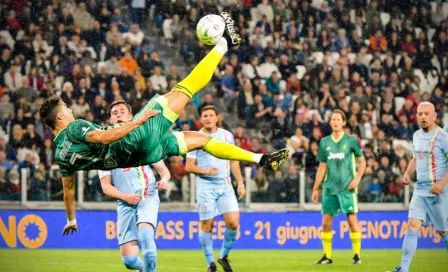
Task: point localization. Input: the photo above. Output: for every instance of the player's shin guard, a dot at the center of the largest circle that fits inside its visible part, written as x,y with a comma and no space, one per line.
327,243
356,242
149,249
228,151
132,262
445,240
205,238
229,240
203,72
408,250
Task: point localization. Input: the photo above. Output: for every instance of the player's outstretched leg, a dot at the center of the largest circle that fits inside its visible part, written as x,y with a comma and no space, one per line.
204,70
195,140
149,249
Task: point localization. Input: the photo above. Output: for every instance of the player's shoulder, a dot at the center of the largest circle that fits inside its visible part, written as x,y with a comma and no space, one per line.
325,139
351,138
443,133
226,132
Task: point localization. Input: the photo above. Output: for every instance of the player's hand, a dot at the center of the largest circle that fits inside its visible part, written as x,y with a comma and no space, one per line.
406,179
133,199
69,229
162,185
315,196
354,184
241,191
212,171
146,115
437,188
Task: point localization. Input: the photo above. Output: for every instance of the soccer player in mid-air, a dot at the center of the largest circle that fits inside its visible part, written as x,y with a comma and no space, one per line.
430,199
337,168
214,192
82,145
138,204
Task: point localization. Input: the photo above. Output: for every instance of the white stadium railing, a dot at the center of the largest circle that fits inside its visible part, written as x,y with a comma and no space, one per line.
189,203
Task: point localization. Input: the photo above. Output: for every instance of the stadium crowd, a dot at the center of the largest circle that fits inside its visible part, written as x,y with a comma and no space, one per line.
298,61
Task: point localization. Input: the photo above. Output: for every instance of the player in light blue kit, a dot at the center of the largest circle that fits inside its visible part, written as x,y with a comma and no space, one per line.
215,193
430,199
138,203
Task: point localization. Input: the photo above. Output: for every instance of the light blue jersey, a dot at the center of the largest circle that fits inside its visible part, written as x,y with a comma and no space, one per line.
205,160
430,151
137,180
446,128
215,194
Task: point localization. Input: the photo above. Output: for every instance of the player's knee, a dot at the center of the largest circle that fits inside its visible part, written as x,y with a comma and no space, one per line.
206,226
233,225
414,225
130,262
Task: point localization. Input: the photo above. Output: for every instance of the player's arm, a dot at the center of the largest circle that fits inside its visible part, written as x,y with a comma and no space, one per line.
409,171
236,171
321,171
68,184
164,173
361,169
117,133
110,190
191,167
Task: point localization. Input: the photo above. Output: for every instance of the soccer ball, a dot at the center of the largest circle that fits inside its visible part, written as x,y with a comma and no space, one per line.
210,29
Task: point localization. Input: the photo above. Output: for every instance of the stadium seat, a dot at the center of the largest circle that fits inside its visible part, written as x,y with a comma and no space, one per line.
431,33
399,102
352,57
301,71
385,18
318,56
417,31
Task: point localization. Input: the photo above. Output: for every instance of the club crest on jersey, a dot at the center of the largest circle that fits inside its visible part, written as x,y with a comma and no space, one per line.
109,162
328,148
344,146
336,156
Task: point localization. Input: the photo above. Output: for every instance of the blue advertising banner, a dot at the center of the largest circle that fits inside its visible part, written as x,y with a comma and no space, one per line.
179,230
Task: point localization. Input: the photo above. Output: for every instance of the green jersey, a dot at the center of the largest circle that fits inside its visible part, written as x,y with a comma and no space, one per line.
145,145
74,153
341,164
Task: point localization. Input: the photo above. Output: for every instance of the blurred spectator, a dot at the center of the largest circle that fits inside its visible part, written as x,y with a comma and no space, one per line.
5,185
292,183
158,80
39,187
375,191
277,189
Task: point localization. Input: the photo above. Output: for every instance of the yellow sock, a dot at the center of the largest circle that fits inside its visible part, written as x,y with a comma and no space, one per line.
228,151
327,243
356,242
201,74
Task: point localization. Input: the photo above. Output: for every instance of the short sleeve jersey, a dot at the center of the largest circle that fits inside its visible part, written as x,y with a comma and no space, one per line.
74,153
341,164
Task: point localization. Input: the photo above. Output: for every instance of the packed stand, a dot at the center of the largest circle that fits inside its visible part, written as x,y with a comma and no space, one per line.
90,53
299,60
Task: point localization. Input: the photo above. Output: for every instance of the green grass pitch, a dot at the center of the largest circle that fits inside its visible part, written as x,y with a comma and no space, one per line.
193,260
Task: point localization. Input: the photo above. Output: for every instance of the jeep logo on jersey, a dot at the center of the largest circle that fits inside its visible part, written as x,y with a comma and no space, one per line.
336,156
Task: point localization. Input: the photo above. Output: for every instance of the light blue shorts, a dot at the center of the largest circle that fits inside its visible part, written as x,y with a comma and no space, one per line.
214,202
432,209
129,216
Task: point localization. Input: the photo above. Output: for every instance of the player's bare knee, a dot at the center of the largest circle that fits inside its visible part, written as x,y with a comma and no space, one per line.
414,224
146,225
206,225
233,225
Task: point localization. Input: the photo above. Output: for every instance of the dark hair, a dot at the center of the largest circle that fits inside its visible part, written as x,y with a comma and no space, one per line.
341,113
210,107
49,109
118,102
